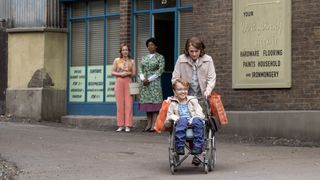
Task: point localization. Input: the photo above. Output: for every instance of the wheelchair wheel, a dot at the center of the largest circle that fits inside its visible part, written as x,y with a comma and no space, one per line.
173,157
173,160
211,152
205,168
172,168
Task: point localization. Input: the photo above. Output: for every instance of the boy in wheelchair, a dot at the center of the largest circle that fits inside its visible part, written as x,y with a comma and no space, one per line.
185,111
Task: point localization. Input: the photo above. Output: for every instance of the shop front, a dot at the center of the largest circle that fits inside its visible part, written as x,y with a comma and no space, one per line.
94,36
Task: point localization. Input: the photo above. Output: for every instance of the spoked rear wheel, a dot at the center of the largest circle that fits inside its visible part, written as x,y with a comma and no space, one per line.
211,152
172,168
173,160
205,168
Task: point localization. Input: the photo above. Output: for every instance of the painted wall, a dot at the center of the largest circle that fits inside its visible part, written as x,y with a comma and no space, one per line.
26,55
37,75
32,51
55,51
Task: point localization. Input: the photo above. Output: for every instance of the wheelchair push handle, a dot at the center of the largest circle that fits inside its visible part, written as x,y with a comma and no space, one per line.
211,122
207,105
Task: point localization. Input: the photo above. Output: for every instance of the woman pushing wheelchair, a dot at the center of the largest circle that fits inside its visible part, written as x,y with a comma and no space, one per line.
196,67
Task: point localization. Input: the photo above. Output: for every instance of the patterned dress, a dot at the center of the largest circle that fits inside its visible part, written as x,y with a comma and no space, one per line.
150,97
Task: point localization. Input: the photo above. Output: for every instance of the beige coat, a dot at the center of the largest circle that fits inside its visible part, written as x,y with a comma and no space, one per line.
206,71
173,110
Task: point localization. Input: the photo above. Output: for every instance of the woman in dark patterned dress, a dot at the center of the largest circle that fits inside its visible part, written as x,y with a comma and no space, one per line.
150,69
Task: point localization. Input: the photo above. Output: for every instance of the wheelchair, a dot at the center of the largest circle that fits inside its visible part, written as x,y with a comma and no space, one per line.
208,156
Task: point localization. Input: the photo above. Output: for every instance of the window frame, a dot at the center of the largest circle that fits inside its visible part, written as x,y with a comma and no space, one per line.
85,107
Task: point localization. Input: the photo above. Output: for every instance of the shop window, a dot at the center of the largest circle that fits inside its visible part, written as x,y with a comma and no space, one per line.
185,29
142,34
78,9
94,43
78,43
113,39
113,6
96,7
142,5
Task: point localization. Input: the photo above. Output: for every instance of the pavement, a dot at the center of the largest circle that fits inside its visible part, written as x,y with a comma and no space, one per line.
51,151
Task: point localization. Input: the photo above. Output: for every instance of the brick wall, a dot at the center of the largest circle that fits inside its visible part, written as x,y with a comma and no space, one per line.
125,21
213,23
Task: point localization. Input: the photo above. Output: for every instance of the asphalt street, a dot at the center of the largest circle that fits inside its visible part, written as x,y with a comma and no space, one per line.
44,152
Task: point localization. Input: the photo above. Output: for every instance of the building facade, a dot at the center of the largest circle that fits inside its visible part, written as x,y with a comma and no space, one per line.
90,32
36,58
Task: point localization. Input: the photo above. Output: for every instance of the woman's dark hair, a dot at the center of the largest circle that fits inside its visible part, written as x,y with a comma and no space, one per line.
121,46
195,42
153,40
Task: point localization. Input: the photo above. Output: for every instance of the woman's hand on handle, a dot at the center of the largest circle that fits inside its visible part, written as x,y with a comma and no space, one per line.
206,94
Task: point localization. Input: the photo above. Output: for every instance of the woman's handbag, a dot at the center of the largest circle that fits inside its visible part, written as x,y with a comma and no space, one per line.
134,88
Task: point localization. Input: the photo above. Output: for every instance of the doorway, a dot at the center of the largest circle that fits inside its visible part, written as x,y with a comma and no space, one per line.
164,33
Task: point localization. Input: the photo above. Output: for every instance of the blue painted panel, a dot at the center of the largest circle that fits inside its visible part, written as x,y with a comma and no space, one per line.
68,1
136,112
107,109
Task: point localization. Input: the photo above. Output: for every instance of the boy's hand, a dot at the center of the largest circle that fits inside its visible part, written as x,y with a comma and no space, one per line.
175,117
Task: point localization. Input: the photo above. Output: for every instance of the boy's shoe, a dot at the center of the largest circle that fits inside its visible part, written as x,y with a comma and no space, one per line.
196,151
180,151
127,129
196,161
120,129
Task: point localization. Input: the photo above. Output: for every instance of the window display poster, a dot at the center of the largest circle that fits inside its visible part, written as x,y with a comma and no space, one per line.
95,84
77,84
110,81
